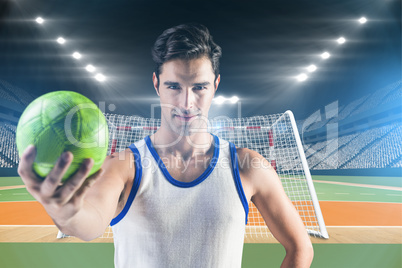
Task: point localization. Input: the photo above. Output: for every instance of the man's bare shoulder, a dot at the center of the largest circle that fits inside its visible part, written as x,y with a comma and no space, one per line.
120,164
255,171
250,160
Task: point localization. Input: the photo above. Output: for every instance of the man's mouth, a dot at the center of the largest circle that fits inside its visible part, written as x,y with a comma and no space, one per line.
185,118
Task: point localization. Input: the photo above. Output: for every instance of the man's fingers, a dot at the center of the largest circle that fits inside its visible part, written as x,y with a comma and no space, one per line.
71,186
55,176
25,171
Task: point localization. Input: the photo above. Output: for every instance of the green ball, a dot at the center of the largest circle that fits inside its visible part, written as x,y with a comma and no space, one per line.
63,121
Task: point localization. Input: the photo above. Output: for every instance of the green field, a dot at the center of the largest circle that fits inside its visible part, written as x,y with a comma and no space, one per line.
100,255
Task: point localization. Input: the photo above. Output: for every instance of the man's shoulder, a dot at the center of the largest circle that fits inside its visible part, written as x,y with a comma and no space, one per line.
250,160
120,163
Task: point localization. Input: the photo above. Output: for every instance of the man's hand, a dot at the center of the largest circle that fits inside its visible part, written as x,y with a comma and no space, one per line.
61,201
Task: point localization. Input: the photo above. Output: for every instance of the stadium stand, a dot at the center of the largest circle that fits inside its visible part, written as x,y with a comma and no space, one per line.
398,164
16,94
376,98
382,153
6,96
8,148
395,94
368,149
348,109
329,159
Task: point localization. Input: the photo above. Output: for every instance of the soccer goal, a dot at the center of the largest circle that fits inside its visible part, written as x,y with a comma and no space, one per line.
273,136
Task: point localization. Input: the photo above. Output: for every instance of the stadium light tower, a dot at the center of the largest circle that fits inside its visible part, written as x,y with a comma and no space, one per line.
341,40
311,68
219,100
61,40
90,68
301,77
325,55
76,55
39,20
234,99
100,77
362,20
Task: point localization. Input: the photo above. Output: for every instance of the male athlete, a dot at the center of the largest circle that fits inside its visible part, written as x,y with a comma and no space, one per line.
179,197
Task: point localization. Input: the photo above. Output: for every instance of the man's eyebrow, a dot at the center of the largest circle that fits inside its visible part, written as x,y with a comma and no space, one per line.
203,84
170,83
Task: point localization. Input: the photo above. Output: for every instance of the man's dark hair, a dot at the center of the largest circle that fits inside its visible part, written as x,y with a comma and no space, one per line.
186,41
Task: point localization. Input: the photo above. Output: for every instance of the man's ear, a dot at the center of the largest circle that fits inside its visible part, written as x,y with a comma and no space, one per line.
217,81
156,83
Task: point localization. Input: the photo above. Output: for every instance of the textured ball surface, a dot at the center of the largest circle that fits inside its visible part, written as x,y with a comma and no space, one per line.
63,121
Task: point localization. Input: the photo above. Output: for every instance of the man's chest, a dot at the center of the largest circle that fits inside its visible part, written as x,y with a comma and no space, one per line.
186,171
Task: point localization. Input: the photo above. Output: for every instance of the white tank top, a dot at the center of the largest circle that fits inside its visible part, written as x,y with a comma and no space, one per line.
169,223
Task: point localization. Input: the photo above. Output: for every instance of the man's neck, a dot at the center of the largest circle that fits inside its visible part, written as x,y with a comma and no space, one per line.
185,147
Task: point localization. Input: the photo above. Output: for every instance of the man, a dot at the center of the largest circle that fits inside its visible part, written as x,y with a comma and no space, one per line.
177,198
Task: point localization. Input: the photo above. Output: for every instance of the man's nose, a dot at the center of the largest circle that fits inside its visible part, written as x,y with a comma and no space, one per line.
187,99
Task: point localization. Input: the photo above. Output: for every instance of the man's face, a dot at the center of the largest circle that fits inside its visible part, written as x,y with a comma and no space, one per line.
186,89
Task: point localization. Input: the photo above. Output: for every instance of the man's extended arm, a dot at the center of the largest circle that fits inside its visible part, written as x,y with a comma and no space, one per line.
79,207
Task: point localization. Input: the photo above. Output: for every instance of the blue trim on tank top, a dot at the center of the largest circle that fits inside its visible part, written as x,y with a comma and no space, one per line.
182,184
239,187
134,188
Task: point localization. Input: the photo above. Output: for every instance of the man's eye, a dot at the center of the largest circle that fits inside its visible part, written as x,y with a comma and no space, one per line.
173,87
199,88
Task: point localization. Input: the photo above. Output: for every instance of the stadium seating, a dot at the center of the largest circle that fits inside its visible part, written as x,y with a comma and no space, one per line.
14,94
376,98
8,149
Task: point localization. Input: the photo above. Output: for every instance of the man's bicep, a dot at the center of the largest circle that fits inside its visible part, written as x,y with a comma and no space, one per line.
277,210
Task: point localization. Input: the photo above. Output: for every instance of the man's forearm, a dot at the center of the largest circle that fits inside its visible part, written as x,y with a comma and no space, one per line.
298,258
87,224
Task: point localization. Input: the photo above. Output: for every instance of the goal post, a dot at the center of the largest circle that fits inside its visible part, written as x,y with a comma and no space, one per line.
275,137
322,232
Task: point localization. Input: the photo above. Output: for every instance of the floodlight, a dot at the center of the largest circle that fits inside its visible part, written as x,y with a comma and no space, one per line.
325,55
39,20
219,100
77,55
341,40
362,20
234,99
90,68
61,40
100,77
311,68
301,77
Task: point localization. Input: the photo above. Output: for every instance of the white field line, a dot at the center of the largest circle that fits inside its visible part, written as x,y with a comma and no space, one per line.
362,185
18,201
343,226
12,187
366,202
28,226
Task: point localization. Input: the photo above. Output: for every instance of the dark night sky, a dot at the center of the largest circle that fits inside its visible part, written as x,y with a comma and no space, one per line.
265,44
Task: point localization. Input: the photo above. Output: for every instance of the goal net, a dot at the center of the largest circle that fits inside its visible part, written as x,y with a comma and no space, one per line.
273,136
